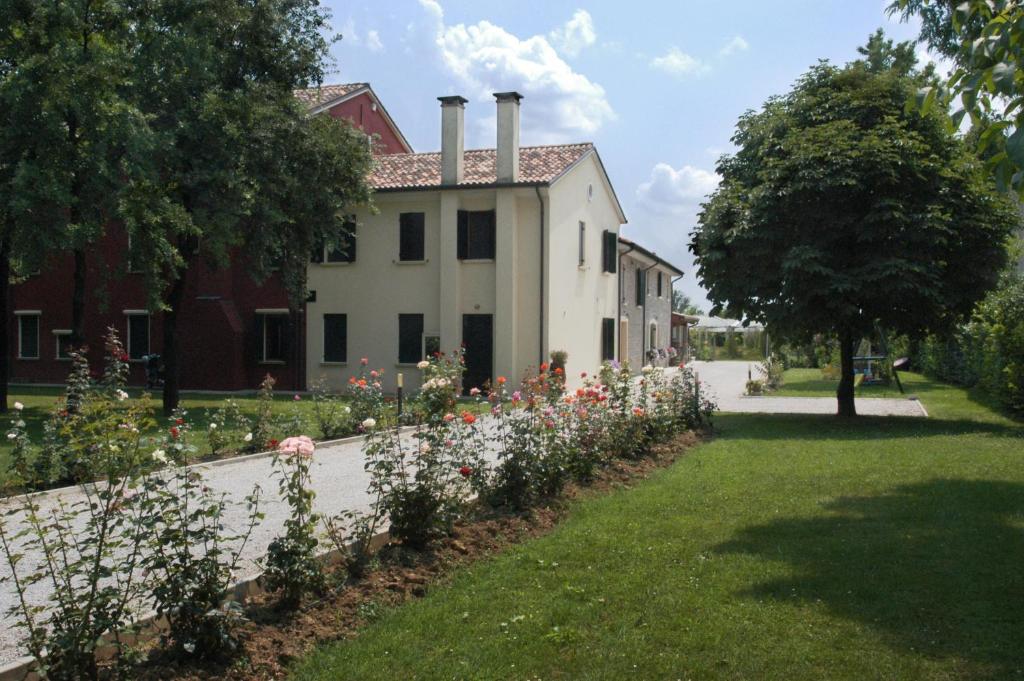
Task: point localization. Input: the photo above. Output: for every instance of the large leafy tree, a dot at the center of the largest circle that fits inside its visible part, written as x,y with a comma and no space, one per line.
65,136
842,211
216,79
985,41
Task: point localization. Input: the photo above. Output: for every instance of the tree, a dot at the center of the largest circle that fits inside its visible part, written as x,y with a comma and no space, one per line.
681,303
216,80
842,211
985,40
65,134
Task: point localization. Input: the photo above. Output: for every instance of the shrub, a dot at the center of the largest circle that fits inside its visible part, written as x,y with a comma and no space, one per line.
191,557
292,566
260,437
333,417
772,371
90,549
366,394
755,387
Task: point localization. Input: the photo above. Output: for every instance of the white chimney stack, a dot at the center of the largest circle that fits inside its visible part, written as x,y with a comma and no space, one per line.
453,109
508,136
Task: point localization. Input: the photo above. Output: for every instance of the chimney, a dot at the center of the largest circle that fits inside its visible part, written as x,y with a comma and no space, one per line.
508,136
453,111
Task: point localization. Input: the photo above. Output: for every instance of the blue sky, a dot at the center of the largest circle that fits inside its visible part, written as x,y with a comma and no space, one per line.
657,86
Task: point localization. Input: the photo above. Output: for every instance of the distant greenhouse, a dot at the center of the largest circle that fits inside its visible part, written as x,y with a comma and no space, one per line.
720,338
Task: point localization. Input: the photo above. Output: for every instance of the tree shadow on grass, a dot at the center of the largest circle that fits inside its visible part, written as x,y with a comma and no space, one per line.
936,567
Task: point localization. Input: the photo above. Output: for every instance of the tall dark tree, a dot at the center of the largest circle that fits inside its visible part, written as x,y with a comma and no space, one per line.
216,80
65,131
842,211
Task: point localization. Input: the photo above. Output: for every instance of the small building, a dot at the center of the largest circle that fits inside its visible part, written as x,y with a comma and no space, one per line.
509,253
681,324
645,306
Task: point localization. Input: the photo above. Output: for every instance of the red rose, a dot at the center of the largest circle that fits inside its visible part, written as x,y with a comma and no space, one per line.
124,357
468,418
465,471
174,432
544,366
272,442
179,422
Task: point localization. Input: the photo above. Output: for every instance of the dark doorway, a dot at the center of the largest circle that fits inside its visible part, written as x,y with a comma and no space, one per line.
478,339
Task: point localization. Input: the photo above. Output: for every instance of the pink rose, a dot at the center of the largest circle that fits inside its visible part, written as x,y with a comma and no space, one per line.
301,445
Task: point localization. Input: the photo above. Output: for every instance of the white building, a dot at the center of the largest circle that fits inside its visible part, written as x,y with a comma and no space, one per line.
510,252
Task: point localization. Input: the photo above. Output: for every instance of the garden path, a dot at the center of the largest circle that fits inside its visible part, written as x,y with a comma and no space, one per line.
727,382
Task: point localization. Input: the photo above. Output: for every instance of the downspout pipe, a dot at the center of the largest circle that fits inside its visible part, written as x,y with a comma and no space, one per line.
618,320
540,327
671,293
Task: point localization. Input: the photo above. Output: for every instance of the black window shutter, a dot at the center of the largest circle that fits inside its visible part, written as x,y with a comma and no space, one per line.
411,236
463,235
487,232
410,335
607,338
641,285
335,338
256,342
659,284
610,251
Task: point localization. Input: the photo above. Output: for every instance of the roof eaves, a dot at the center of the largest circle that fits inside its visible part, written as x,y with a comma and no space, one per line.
364,87
463,186
604,173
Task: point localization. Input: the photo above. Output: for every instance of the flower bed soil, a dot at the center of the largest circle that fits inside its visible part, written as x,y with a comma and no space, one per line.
272,640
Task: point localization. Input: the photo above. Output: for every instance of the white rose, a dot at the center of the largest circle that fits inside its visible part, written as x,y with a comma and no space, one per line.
369,423
422,364
11,436
121,396
424,447
348,410
213,426
159,455
19,406
248,437
442,382
647,369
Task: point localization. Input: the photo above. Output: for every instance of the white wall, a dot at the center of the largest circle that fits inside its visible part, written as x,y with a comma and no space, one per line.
579,297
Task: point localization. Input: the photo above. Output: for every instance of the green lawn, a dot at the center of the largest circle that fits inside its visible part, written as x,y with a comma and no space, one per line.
809,383
789,547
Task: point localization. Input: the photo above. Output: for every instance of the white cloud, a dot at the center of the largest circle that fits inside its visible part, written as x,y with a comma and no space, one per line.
576,34
373,43
737,44
560,104
678,63
678,192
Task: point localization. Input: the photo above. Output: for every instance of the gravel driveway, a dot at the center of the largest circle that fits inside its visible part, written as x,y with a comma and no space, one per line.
727,382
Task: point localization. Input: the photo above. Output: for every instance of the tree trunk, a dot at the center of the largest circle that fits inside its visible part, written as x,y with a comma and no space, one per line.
78,301
5,285
169,354
844,394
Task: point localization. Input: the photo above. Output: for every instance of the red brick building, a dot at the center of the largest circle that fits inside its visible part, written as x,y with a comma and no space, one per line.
232,330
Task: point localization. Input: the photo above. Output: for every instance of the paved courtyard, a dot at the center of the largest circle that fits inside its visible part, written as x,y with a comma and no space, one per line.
727,382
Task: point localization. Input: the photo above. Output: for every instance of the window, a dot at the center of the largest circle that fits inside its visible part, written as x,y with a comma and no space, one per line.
610,251
659,284
641,285
410,338
62,338
583,243
476,235
28,335
274,336
138,333
653,337
344,252
607,339
431,345
411,237
335,338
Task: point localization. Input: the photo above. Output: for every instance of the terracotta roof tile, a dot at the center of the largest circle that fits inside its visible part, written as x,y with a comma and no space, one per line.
415,171
315,96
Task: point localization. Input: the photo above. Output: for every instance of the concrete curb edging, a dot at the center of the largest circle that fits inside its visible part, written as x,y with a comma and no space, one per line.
150,625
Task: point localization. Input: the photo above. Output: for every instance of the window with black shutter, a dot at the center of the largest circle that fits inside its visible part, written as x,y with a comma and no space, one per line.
641,286
346,250
410,338
275,338
607,339
335,338
138,335
659,284
411,237
476,236
610,251
28,336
